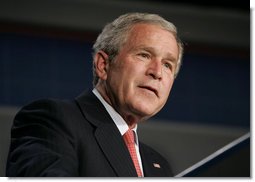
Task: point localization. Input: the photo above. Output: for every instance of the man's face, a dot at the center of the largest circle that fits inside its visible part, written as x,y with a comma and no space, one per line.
141,76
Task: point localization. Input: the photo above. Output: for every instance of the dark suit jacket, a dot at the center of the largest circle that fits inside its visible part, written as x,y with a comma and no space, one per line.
73,138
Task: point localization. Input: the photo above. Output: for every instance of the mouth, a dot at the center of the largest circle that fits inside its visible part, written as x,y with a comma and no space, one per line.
155,91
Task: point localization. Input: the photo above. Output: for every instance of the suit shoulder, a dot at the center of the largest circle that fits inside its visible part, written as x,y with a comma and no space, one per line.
42,133
50,107
53,114
45,104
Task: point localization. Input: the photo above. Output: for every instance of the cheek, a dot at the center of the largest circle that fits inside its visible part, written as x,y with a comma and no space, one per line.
170,86
123,83
129,87
167,87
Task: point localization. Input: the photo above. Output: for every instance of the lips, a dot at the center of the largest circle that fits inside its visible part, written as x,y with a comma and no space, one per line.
152,89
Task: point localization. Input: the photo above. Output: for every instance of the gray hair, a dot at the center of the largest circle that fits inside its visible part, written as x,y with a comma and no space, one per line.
114,35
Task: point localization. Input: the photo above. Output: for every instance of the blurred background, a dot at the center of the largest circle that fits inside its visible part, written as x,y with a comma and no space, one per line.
45,51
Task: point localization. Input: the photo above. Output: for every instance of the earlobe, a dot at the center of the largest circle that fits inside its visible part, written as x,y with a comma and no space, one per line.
101,64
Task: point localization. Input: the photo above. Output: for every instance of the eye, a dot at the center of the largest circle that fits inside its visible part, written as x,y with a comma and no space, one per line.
144,55
167,65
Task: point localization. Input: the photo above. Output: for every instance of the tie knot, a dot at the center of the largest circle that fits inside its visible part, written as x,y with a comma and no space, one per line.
129,137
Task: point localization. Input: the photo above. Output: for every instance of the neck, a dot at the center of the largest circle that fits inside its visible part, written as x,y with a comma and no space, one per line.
130,119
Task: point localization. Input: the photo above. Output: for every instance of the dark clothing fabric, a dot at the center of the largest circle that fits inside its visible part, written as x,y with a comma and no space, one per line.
74,138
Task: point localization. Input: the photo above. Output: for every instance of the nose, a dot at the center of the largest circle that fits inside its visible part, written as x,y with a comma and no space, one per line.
155,69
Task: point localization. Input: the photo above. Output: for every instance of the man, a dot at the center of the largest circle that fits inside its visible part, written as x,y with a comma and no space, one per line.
136,59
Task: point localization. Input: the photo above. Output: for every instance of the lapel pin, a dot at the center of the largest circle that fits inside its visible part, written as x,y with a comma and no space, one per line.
156,165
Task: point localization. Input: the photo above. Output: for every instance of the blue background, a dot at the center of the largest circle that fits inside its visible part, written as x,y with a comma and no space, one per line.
212,89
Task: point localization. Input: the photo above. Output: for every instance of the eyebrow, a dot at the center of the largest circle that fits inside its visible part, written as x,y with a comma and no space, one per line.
169,56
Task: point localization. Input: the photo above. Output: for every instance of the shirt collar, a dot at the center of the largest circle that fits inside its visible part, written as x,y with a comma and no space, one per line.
116,117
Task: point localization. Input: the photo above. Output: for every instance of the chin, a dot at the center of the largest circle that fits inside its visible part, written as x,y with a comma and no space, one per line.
146,112
143,108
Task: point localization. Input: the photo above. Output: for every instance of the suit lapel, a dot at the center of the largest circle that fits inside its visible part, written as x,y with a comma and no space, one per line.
152,167
115,150
147,163
107,135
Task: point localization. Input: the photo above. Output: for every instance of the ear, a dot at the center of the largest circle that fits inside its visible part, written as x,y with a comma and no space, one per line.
101,64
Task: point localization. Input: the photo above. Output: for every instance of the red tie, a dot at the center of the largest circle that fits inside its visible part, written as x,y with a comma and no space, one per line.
130,142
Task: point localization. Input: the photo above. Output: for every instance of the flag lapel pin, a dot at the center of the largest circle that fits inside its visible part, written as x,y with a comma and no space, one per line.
156,165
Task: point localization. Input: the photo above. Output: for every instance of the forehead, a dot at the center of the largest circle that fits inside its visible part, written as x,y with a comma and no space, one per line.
150,32
153,36
146,28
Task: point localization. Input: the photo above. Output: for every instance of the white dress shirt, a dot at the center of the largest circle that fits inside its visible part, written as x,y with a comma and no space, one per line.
120,123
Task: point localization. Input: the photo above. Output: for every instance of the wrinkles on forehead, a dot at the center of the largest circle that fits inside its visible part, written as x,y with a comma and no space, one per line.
152,38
